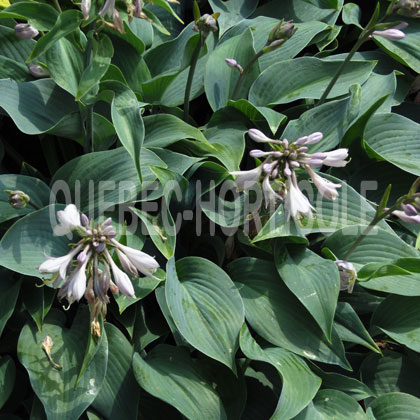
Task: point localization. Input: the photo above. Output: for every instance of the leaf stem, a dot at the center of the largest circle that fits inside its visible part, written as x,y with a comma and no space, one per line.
57,5
362,38
193,65
375,221
89,130
244,72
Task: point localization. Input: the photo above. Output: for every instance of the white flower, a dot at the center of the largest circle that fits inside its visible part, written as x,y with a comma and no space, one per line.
311,139
326,188
270,196
413,219
58,265
107,9
391,34
121,279
75,286
69,219
295,203
246,179
146,264
348,275
86,5
336,158
258,136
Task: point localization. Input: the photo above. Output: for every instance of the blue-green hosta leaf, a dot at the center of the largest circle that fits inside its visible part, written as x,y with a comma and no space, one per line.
332,404
312,279
35,107
392,372
351,329
232,11
67,22
398,317
25,244
125,112
332,119
273,118
65,64
303,11
206,307
13,47
41,15
169,374
61,397
161,130
394,138
119,394
9,292
351,14
113,174
7,378
220,80
305,77
37,190
278,316
395,406
101,54
402,277
299,383
14,70
331,380
379,246
406,50
170,50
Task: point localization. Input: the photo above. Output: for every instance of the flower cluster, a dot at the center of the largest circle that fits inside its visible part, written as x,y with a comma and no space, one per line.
277,170
91,275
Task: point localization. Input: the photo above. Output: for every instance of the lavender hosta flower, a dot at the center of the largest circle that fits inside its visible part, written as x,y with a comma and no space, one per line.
246,179
336,158
259,137
296,204
138,8
408,214
59,265
26,31
69,219
391,34
121,279
326,188
86,5
38,71
143,262
109,10
348,275
271,198
75,286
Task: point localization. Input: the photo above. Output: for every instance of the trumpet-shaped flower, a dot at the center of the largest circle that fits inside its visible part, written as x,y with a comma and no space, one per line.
336,158
296,203
60,264
246,179
326,188
69,219
121,279
145,263
75,286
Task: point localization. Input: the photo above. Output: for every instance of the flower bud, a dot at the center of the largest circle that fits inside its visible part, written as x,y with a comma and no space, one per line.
84,219
206,24
25,31
38,71
231,62
18,199
258,136
257,153
283,30
390,34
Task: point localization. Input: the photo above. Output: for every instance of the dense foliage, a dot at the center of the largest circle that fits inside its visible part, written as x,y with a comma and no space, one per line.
247,148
